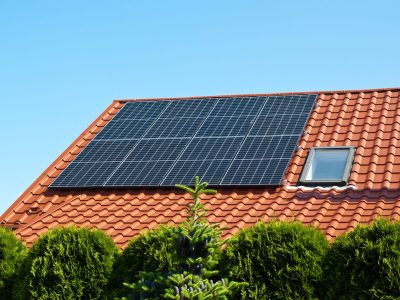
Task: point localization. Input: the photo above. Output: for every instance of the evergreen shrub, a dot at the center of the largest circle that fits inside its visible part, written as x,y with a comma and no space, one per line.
364,263
151,251
12,253
278,260
69,263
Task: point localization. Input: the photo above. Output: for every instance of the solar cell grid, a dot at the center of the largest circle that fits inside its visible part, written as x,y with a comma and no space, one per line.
266,147
185,171
157,149
98,151
171,128
141,110
226,126
278,125
225,141
85,174
188,108
255,172
144,173
124,129
211,148
287,105
238,106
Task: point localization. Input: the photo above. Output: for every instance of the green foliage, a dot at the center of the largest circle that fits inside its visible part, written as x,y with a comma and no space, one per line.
364,263
190,286
195,255
279,260
12,253
151,251
181,286
69,263
149,285
197,242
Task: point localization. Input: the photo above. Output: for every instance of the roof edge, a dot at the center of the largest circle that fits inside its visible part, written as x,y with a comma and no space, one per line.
54,163
266,94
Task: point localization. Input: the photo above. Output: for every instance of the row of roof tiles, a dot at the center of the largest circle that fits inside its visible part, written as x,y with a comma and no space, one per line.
369,120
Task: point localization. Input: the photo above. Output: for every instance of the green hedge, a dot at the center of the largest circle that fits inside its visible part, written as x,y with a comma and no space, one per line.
12,253
152,251
279,260
68,263
364,263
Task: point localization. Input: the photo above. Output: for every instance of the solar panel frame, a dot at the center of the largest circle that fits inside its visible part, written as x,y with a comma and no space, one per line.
99,173
138,173
226,126
141,110
276,179
185,171
58,182
105,150
207,135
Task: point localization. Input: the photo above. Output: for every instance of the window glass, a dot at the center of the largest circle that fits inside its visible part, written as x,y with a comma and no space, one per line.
327,164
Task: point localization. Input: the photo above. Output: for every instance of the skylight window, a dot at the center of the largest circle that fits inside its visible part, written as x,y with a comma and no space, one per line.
328,166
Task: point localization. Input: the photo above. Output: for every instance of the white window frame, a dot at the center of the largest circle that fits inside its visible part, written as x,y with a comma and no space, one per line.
326,182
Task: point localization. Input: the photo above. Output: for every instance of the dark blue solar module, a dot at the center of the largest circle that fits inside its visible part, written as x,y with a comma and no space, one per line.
265,147
85,174
256,172
170,128
100,151
136,174
188,108
157,149
225,141
142,110
185,171
238,106
211,148
125,129
226,126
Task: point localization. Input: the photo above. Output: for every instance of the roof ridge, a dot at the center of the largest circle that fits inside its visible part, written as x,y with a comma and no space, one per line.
263,94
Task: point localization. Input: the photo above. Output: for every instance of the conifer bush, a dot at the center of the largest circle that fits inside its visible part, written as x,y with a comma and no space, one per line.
278,260
69,263
364,263
12,254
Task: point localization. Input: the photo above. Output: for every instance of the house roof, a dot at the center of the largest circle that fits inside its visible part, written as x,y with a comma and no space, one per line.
366,119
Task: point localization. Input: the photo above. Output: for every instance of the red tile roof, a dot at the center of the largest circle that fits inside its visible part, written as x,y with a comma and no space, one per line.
368,119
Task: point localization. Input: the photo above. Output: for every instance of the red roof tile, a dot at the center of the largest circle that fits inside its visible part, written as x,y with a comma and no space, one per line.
368,119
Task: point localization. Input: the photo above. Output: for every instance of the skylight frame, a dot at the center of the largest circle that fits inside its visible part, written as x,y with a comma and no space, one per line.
328,182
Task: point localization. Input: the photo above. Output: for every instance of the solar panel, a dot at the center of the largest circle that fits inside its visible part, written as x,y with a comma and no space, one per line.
226,126
179,127
225,141
238,106
125,129
100,151
185,171
136,174
188,108
85,174
157,149
255,172
142,110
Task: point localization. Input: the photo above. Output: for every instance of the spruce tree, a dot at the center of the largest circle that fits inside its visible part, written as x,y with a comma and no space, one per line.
198,249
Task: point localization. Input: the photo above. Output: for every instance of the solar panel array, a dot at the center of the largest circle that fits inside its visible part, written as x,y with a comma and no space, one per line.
224,141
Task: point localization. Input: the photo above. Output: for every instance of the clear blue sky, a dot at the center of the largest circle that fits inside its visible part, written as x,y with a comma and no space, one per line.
63,62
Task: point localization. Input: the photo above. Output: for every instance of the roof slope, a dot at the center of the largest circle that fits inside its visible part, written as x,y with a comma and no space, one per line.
369,120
